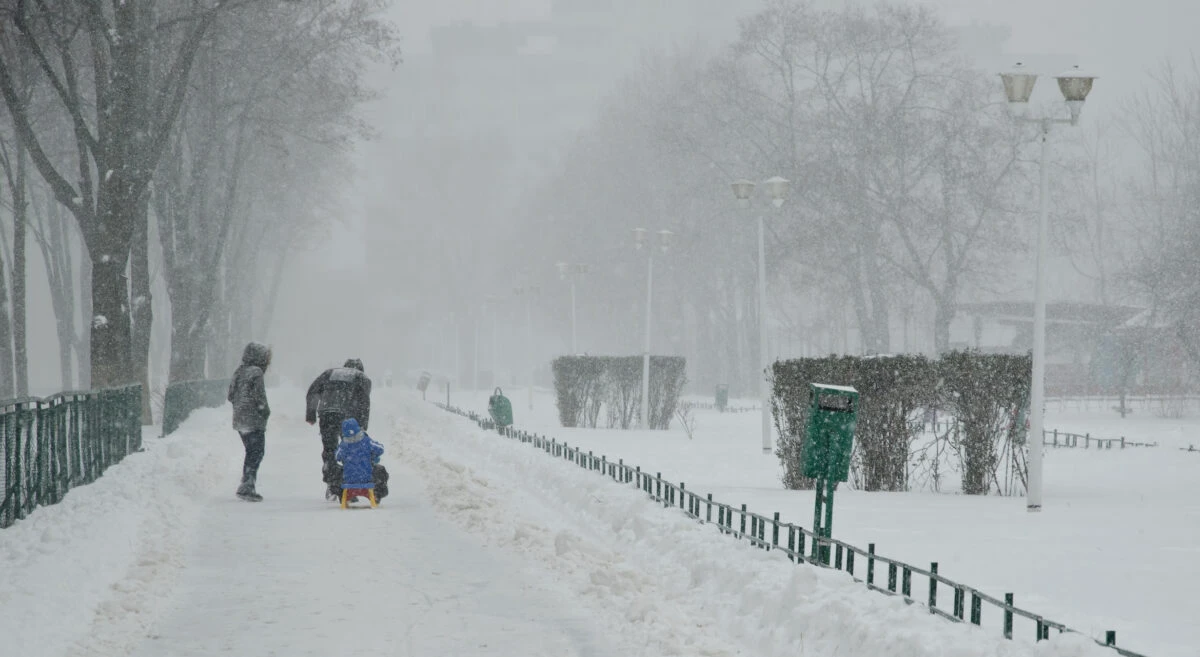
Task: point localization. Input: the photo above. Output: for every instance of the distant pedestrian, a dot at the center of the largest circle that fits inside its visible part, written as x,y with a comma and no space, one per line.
337,394
248,394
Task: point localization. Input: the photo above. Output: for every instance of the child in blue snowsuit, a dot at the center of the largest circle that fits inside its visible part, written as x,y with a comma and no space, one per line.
359,456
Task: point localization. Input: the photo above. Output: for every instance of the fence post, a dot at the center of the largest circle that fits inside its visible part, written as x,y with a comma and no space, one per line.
1122,442
775,531
1087,439
892,577
906,583
933,587
1008,615
1056,437
682,493
837,559
708,515
791,543
658,487
959,594
870,564
850,561
743,520
976,608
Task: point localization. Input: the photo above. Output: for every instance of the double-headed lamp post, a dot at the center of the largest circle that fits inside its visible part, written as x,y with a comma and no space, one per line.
640,242
571,272
1018,86
777,187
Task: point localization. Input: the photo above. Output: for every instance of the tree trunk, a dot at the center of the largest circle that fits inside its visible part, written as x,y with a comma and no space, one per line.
943,314
188,345
110,320
20,216
8,386
55,242
83,342
142,314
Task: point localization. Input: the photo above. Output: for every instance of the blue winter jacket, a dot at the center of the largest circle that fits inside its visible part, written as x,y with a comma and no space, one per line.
357,454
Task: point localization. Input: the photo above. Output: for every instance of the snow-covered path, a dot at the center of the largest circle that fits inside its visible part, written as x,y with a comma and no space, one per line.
485,547
296,576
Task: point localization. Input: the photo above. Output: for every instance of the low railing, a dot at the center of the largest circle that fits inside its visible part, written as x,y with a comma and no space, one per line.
802,546
1054,437
52,445
183,397
710,406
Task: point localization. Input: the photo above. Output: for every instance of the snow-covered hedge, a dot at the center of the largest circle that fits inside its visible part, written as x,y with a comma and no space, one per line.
583,384
983,391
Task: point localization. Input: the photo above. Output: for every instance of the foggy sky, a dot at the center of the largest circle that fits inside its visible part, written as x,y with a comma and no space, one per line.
1118,40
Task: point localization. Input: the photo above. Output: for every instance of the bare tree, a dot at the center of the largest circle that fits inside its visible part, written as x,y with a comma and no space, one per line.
121,112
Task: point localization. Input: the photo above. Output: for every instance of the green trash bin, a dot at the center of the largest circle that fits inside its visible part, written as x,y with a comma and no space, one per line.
830,437
500,408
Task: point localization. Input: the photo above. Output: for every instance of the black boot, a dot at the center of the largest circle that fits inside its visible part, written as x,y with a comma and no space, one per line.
246,490
380,475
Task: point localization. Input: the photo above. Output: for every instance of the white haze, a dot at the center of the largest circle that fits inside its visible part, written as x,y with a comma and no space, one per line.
415,237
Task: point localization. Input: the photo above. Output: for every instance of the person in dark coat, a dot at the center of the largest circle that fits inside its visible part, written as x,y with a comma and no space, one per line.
338,393
248,394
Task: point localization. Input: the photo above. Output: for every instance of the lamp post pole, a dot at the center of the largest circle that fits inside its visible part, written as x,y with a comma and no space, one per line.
764,391
742,190
1018,87
645,424
639,235
528,292
570,273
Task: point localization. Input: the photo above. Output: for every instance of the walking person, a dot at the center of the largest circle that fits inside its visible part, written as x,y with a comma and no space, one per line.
248,394
337,394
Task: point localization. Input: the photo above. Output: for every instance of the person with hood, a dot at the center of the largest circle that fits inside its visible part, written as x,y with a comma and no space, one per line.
248,394
337,394
359,456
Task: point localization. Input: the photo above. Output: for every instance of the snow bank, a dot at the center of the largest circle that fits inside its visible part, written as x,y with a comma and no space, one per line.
85,576
681,586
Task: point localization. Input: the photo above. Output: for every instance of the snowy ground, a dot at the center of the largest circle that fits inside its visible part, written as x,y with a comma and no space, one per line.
485,546
1117,546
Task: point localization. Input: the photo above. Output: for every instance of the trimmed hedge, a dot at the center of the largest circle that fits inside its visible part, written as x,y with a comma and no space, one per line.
583,384
984,391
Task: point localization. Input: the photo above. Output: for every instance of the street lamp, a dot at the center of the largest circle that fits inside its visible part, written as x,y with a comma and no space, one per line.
1018,86
777,189
640,242
529,292
570,273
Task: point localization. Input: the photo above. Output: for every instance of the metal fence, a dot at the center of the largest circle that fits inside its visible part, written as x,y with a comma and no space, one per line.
183,397
1056,438
1052,437
52,445
710,406
801,546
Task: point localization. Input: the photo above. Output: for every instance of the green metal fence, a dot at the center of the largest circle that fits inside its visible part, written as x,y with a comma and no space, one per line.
183,397
802,546
52,445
